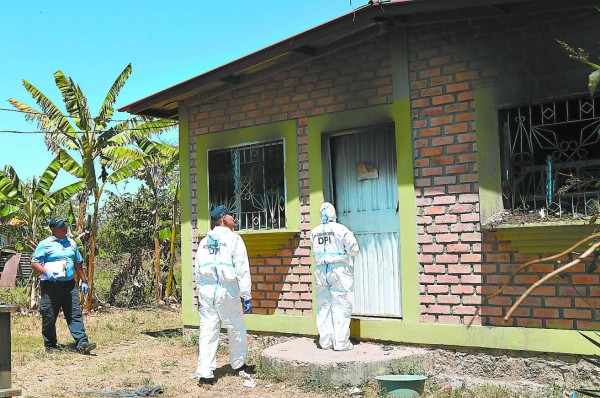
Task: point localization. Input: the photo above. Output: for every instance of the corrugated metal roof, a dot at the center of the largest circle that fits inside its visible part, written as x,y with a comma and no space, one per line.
364,23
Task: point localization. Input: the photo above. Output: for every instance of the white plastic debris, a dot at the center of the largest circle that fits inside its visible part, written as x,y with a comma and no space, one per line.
250,383
355,391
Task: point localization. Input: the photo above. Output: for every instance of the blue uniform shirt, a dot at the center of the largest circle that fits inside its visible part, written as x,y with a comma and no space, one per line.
53,249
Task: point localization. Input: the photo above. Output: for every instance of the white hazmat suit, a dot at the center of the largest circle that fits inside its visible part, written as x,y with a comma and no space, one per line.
332,243
223,276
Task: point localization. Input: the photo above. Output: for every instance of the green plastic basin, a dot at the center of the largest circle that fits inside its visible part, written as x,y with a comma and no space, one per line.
405,386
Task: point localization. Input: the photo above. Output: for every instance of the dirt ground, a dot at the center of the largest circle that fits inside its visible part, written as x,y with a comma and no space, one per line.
130,360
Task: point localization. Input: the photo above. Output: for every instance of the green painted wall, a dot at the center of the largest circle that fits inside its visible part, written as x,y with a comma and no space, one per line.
185,208
230,138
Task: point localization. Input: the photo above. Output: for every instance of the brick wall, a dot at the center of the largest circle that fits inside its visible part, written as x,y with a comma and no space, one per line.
448,62
459,264
351,78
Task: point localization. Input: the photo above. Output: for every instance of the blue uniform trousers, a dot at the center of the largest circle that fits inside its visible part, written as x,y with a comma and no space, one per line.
56,296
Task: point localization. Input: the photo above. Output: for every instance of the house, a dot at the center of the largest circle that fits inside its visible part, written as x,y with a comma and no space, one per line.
426,123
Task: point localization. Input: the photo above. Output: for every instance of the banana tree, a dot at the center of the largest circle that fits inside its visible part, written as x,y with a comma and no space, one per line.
152,160
27,205
78,132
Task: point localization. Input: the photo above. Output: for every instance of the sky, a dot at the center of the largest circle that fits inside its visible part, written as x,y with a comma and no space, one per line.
92,42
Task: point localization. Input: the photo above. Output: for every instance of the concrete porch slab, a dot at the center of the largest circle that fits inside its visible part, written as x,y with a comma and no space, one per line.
300,360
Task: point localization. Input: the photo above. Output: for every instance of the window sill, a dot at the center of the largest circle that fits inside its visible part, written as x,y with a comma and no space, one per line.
544,237
265,242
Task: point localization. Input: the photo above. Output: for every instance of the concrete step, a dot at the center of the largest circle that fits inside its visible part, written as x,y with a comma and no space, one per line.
301,361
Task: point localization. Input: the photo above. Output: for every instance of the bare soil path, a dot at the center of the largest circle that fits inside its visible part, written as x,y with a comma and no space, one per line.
134,350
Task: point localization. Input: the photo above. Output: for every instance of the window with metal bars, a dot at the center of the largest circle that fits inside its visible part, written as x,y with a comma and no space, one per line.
250,179
551,157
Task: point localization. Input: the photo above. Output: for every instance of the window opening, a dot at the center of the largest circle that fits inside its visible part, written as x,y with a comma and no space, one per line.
250,179
551,158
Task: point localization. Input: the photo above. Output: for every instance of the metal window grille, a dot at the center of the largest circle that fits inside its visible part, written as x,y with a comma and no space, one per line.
551,157
250,180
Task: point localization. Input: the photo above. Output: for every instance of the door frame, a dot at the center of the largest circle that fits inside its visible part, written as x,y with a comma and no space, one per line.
329,193
326,136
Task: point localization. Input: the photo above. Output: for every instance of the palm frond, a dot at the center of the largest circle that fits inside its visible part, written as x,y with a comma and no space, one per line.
107,108
118,155
70,165
47,179
158,148
140,128
65,193
130,169
74,100
7,211
60,123
11,187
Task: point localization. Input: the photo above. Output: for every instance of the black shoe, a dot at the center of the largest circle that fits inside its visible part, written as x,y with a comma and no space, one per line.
245,368
86,347
206,381
52,348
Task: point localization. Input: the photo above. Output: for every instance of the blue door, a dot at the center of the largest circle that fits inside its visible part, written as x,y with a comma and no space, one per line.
364,187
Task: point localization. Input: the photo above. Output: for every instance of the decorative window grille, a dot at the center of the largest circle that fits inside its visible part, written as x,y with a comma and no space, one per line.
250,180
551,157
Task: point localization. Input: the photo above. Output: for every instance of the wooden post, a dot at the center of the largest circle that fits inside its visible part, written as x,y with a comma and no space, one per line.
5,380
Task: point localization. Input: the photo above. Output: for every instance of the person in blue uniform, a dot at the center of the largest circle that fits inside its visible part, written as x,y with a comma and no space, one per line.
57,258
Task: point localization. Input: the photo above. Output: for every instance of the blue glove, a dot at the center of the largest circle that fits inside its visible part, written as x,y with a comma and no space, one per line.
84,288
247,306
51,277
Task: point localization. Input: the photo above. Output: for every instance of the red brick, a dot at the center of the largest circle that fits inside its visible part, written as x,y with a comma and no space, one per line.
446,219
529,322
558,301
589,279
444,200
302,304
444,161
473,300
462,76
447,279
432,248
435,269
437,289
427,318
545,313
461,289
443,99
458,248
446,258
450,319
438,121
445,238
456,128
433,72
300,287
470,279
464,310
471,237
559,323
451,88
439,309
587,325
576,313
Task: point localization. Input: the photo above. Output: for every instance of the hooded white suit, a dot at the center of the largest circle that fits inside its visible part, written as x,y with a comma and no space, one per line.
223,276
332,243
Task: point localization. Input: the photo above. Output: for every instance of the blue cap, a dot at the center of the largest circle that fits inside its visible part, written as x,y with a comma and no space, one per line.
219,212
56,222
